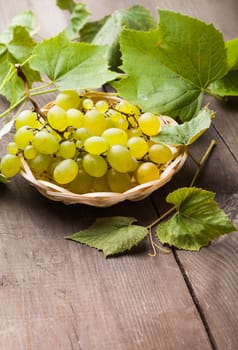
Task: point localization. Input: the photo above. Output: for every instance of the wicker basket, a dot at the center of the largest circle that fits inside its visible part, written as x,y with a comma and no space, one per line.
105,199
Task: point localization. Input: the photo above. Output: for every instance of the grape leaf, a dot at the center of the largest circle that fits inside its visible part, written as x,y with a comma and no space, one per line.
149,83
21,45
191,48
71,65
186,133
17,50
78,16
227,86
112,235
25,20
174,65
66,5
107,30
232,54
198,220
90,29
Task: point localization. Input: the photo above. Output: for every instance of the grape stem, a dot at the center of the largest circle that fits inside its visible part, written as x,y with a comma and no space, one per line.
202,161
21,74
200,166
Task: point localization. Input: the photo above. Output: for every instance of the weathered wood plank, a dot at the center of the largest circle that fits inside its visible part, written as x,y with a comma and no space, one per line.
210,273
63,292
58,294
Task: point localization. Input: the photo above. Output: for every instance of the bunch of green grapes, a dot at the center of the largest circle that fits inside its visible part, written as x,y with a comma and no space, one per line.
88,144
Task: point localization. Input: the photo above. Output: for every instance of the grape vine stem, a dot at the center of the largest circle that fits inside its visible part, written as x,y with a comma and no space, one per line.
21,74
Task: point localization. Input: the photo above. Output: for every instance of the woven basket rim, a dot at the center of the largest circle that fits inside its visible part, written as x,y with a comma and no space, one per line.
104,199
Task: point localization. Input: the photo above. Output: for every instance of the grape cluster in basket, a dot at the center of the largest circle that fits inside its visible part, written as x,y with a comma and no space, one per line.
88,143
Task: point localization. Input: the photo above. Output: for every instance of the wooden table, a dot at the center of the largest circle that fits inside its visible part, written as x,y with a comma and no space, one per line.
57,294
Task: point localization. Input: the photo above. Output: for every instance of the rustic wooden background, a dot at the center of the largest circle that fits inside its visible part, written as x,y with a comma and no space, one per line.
57,294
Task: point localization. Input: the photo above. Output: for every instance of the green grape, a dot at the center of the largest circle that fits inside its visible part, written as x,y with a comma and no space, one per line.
149,124
114,115
45,142
88,103
110,123
136,111
94,165
160,153
120,158
12,148
10,165
29,152
40,163
102,106
59,137
57,118
125,107
115,136
134,132
147,171
67,149
95,121
67,99
117,119
137,146
135,164
75,117
79,161
83,183
100,184
82,134
96,145
121,123
27,118
23,137
54,161
65,171
118,182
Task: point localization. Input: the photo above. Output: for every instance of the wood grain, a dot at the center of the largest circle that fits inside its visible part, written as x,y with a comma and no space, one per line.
58,294
62,293
210,274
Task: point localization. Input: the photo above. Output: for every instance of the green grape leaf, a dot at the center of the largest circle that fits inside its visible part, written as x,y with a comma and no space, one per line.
150,84
232,54
25,20
186,133
72,65
191,48
66,5
227,86
198,220
90,29
17,50
107,30
174,65
78,16
112,235
3,49
14,89
21,45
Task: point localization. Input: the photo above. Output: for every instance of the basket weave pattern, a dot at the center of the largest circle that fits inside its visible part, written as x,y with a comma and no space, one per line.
105,199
